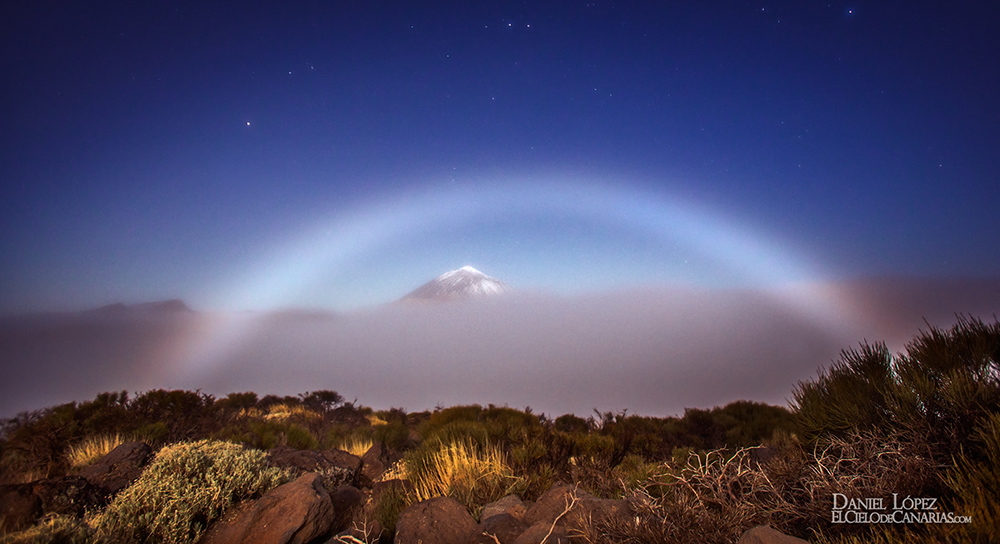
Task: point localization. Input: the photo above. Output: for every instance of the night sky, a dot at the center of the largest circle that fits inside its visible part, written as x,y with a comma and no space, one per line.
841,158
337,154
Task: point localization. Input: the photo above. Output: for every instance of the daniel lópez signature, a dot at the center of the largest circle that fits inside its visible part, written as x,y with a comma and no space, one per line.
894,509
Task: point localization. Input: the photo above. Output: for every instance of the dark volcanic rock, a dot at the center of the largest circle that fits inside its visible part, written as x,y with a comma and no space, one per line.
19,507
543,531
763,534
346,500
120,467
376,461
552,503
510,504
440,520
502,528
293,513
70,495
336,467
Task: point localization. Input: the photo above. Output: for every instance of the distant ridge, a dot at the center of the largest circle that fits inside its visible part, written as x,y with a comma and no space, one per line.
158,307
466,282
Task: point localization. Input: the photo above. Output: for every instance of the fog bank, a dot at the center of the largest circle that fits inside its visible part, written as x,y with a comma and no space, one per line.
651,351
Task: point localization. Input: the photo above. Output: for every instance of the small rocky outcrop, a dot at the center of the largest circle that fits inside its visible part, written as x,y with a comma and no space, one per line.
336,467
553,503
19,507
567,507
510,504
120,467
440,520
543,532
347,500
68,496
374,463
764,534
293,513
502,528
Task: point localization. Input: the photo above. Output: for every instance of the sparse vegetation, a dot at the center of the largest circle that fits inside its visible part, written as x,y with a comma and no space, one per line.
187,486
922,423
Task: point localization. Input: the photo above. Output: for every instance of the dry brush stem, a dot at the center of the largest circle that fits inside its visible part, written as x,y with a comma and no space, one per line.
571,500
716,496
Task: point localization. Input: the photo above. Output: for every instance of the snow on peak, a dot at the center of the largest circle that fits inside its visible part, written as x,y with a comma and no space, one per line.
462,283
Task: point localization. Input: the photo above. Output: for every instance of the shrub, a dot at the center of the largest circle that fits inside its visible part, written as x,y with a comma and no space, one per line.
186,414
941,388
322,401
264,435
976,484
393,435
186,487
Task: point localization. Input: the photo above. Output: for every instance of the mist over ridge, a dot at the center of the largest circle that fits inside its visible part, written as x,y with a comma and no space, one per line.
653,351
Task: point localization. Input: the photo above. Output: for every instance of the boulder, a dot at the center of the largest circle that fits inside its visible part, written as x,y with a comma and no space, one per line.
510,504
343,459
370,531
590,510
120,467
502,528
69,496
293,513
346,500
373,463
440,520
553,502
19,507
764,534
543,531
336,467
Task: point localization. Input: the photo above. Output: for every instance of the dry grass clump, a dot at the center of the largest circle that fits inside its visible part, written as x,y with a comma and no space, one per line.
472,474
356,446
284,411
374,419
186,487
92,448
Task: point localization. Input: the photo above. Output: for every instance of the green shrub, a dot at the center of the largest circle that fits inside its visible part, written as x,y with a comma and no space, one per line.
941,388
267,434
394,435
976,484
185,488
300,438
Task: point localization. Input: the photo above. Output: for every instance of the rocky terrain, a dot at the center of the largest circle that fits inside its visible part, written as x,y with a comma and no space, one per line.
330,501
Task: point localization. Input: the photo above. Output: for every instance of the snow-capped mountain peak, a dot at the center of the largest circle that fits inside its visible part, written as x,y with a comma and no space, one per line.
465,282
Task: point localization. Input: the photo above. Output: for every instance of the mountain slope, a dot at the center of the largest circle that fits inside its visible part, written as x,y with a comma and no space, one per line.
466,282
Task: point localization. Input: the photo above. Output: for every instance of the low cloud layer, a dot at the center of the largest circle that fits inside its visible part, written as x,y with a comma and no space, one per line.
653,352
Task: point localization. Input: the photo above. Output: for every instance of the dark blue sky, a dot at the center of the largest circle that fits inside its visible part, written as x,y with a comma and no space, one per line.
338,154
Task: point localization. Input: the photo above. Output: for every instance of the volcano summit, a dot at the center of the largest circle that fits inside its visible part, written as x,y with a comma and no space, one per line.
466,282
